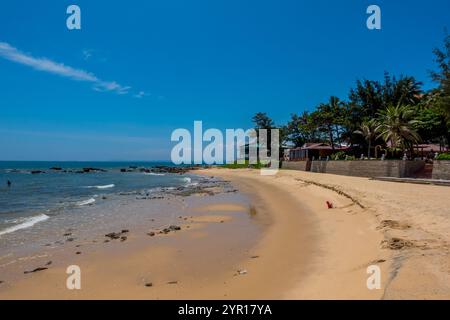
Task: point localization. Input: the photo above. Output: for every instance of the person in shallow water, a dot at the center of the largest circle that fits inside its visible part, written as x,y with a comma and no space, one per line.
8,183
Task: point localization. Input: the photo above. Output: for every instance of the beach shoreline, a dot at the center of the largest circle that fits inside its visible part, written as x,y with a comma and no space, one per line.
308,243
287,244
401,228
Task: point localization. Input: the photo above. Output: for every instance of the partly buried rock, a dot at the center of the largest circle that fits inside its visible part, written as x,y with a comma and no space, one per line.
88,170
396,244
393,224
171,228
117,235
113,235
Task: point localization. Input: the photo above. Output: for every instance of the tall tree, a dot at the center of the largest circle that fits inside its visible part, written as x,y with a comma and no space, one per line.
369,130
370,96
397,127
366,98
431,125
442,76
300,129
262,121
327,118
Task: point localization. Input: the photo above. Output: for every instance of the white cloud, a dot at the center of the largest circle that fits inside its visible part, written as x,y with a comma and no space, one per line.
46,65
141,94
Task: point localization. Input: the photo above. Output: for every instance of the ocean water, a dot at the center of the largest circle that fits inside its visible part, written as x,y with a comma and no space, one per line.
35,199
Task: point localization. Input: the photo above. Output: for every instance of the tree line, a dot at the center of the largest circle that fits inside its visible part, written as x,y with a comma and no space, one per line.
396,113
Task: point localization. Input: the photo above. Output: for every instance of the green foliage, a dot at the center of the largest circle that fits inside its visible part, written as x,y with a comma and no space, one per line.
328,119
299,129
262,121
340,155
369,130
397,126
394,113
443,156
373,96
245,165
442,76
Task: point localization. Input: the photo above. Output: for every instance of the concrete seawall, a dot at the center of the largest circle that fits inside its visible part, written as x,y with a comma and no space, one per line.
441,169
360,168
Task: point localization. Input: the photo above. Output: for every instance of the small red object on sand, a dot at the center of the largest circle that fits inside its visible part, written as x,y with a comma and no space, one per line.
330,205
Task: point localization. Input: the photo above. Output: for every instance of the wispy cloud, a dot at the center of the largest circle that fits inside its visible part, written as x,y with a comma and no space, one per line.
141,94
46,65
87,54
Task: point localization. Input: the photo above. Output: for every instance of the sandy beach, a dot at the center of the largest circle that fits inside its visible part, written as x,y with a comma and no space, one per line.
403,228
285,244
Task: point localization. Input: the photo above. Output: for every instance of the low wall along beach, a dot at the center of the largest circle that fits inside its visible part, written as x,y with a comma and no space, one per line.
441,169
360,168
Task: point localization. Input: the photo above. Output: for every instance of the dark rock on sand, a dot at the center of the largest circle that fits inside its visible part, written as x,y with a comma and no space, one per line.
169,229
123,238
169,169
149,284
172,282
78,252
396,244
117,235
113,235
35,270
151,234
88,170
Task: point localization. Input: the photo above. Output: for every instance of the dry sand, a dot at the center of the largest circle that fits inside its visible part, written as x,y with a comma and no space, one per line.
287,245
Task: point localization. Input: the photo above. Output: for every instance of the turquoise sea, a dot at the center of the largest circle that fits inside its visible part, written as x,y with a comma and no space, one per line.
42,190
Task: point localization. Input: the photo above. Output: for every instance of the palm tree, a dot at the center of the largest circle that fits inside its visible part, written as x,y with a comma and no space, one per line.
396,126
369,131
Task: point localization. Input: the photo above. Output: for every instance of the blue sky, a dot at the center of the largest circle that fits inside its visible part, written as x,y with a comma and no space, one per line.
137,70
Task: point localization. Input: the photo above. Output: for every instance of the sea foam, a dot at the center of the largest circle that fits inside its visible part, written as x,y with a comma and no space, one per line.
86,202
26,223
108,186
